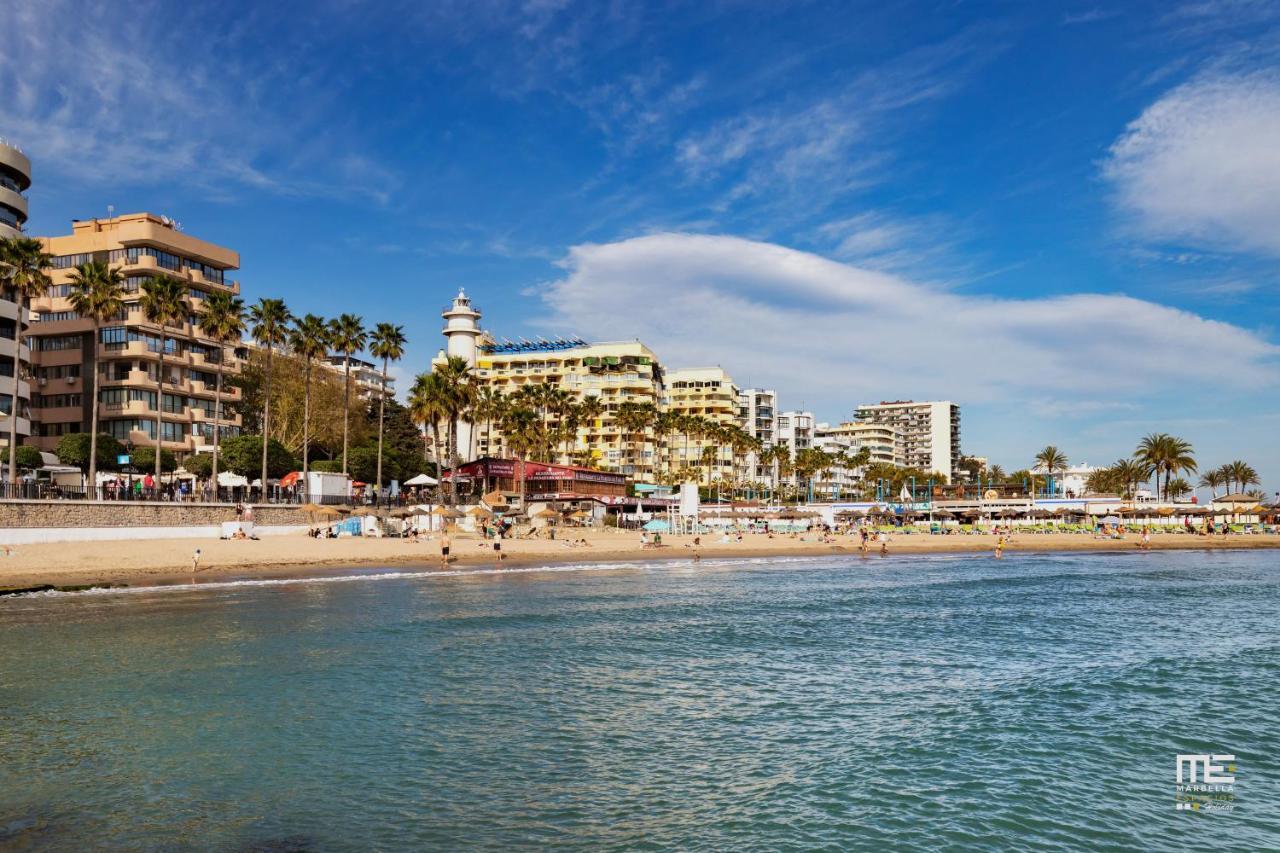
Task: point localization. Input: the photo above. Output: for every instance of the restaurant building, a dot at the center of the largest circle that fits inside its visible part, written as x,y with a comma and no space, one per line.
543,482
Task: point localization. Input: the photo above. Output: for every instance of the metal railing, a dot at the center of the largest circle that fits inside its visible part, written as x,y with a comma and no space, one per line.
134,489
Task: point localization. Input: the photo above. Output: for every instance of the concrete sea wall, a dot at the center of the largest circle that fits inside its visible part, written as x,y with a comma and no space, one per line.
25,522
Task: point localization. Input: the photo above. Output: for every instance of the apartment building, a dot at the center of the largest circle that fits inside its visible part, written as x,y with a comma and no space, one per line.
366,377
15,178
795,433
130,362
928,432
758,413
612,372
710,393
881,441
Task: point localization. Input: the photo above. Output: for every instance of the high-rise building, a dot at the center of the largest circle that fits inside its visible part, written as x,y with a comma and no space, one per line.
130,363
612,373
15,178
758,413
928,432
709,393
795,433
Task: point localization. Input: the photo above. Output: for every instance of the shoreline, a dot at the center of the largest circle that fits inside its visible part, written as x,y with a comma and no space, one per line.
167,561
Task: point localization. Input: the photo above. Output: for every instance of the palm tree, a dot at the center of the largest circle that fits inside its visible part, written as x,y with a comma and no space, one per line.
488,407
163,302
387,343
1176,488
1241,475
221,319
523,433
590,410
1211,480
428,406
1167,454
97,294
348,336
23,262
1051,459
454,378
270,319
309,340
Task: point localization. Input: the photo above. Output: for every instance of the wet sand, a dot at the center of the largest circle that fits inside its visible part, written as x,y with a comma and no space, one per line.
148,562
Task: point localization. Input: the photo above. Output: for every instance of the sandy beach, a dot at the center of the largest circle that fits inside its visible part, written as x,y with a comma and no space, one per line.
147,562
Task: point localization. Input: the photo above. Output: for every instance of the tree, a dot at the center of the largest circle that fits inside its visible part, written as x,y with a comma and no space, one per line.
74,449
1212,480
522,430
97,294
633,419
456,394
309,340
428,407
200,464
1240,475
221,318
243,453
163,302
270,329
1051,459
145,457
488,406
28,457
1177,488
348,336
1167,454
23,265
388,344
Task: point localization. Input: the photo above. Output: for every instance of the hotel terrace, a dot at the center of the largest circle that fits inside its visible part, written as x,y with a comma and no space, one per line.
141,245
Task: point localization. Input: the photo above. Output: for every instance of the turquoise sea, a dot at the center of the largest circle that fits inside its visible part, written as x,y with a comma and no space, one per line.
908,703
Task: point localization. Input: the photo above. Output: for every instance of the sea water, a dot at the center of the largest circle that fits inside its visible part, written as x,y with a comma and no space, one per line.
949,702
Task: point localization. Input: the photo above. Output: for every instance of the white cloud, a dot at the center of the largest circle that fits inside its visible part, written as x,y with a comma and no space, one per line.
1202,164
833,335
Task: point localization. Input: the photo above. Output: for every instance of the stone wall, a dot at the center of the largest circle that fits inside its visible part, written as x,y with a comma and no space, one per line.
106,514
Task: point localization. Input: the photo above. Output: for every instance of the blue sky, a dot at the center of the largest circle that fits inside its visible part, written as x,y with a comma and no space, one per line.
1064,216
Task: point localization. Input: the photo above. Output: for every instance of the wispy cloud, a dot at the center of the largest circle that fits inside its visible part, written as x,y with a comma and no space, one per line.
102,97
1202,164
821,148
1089,16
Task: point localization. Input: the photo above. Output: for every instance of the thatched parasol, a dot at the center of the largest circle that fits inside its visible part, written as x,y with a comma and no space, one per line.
545,513
328,510
404,512
446,512
309,507
362,511
942,515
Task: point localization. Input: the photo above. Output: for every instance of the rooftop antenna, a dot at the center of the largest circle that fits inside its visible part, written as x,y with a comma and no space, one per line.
111,211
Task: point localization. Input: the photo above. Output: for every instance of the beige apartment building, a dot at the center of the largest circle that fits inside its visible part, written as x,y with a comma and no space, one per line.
141,245
708,392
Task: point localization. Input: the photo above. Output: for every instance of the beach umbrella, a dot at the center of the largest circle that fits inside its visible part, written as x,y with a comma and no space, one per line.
309,507
1166,511
1110,519
363,511
328,510
545,513
942,514
657,524
446,512
479,512
421,480
401,513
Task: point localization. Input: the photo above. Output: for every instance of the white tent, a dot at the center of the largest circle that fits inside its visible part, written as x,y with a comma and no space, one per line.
227,480
421,480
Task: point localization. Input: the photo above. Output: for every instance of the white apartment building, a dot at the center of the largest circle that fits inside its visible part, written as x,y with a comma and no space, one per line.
795,433
881,441
366,377
1068,483
929,432
757,409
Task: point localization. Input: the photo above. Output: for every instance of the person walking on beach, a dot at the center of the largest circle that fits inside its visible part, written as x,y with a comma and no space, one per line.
884,547
498,556
444,550
195,561
1000,548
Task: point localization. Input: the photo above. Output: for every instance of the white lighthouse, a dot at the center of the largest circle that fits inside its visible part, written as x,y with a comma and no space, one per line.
462,328
462,335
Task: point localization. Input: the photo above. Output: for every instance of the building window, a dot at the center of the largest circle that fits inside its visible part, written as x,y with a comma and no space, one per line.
48,430
57,401
59,343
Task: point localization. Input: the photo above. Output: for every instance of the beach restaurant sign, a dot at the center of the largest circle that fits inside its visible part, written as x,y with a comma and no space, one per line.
534,471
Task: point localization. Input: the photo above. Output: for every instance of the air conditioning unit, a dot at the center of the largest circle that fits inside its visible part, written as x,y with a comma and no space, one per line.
41,381
71,380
